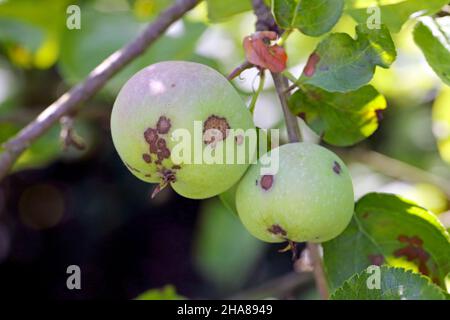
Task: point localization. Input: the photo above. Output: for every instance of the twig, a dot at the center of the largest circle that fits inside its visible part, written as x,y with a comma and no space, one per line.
14,147
319,274
265,21
241,68
262,80
397,169
281,85
68,136
445,12
264,18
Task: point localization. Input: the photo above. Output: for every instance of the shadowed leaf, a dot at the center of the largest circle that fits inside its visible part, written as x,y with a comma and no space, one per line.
341,118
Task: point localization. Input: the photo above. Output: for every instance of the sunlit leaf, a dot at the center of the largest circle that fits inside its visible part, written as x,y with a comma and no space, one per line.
389,230
342,119
395,284
166,293
341,63
311,17
219,10
38,47
433,37
393,13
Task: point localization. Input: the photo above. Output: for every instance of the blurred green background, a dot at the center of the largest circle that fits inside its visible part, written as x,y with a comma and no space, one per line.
83,207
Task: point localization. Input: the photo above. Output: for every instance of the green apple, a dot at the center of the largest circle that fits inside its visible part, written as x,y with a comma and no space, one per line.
167,98
309,198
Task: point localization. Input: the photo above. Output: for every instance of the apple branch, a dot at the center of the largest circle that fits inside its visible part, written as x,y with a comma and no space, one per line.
266,22
98,77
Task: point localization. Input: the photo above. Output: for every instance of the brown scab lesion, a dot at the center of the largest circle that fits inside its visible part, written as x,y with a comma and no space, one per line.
151,135
153,148
215,129
337,167
161,143
277,230
157,143
376,259
414,251
147,158
163,126
159,151
266,182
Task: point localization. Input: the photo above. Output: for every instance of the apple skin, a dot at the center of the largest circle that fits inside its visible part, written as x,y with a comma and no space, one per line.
172,95
310,198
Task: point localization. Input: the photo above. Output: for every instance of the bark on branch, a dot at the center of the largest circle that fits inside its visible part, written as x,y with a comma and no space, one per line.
98,77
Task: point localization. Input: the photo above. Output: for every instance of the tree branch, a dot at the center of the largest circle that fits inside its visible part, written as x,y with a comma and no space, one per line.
282,85
266,22
14,147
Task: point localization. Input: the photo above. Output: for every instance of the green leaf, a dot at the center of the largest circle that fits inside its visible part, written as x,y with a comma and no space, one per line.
389,230
395,284
342,119
47,148
17,32
219,10
146,10
166,293
225,252
43,151
343,64
441,123
393,13
49,20
312,17
433,37
103,33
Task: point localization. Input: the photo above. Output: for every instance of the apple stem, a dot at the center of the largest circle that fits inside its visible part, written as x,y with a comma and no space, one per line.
239,69
255,96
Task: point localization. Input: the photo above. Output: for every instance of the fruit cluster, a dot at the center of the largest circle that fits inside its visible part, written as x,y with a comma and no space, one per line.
309,198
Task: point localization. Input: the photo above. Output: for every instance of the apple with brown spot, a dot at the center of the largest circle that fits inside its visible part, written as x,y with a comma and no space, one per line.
172,95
